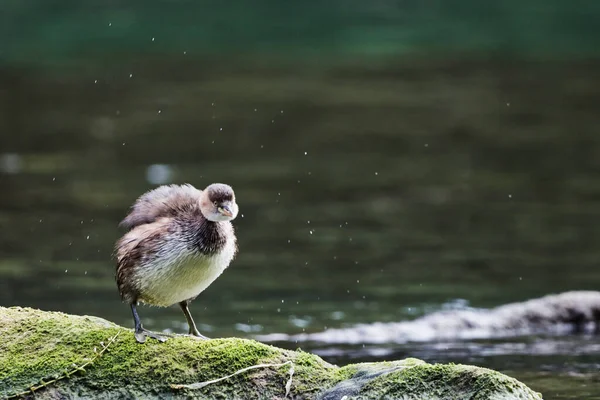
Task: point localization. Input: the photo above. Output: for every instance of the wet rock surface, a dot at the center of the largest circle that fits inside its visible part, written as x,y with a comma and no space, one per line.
56,355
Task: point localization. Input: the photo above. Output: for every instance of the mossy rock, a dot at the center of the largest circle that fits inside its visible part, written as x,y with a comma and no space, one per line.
38,347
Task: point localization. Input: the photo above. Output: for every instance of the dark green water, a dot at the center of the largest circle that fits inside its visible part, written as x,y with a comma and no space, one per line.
372,188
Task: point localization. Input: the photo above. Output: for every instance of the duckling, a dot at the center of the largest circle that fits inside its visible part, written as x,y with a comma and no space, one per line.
179,240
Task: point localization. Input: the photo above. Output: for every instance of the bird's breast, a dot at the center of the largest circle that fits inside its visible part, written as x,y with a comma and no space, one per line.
178,274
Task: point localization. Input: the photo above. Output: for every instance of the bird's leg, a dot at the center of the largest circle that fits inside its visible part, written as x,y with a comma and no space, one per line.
193,330
140,332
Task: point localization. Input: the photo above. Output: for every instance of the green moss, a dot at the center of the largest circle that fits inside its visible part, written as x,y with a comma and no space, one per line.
312,373
44,346
345,373
39,346
449,381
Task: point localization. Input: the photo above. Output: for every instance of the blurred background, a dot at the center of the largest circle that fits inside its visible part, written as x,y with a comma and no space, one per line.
391,158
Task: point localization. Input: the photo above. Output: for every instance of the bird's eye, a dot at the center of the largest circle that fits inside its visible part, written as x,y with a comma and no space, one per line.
215,203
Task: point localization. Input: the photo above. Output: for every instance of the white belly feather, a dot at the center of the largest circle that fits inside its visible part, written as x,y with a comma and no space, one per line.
178,274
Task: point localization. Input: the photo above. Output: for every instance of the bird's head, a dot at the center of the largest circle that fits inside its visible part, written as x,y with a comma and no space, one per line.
218,203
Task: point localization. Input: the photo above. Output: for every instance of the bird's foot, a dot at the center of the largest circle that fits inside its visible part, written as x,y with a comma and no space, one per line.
142,334
197,335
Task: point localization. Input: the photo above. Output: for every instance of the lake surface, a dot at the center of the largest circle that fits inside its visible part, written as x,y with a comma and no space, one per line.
368,192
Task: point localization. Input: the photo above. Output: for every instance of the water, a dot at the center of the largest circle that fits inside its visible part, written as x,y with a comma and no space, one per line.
367,194
370,192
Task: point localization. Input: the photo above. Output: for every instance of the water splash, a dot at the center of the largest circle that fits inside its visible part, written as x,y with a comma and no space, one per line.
560,314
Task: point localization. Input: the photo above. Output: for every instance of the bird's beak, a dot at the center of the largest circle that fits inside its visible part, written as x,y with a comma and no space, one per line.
226,211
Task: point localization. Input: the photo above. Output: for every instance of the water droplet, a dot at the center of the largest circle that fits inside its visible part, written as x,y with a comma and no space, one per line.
153,39
510,196
131,75
305,153
110,24
159,111
87,237
220,129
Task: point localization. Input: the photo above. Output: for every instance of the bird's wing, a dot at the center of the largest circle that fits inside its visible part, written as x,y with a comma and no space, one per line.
135,250
164,201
